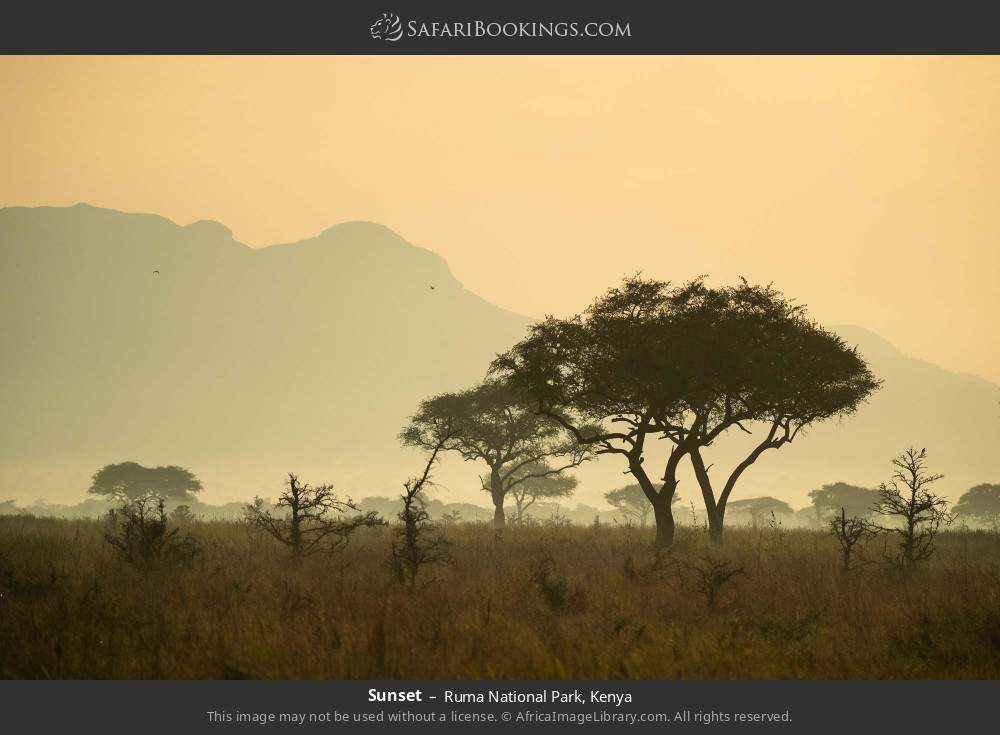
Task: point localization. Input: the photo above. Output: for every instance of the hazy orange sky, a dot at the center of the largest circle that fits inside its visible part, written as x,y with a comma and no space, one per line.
867,187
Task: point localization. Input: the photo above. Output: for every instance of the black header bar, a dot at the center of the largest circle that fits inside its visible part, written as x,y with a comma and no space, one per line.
513,27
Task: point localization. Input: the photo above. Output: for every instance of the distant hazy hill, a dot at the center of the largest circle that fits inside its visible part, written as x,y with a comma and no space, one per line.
241,363
245,363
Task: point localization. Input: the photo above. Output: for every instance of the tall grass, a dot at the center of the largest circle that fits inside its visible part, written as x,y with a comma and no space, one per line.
541,602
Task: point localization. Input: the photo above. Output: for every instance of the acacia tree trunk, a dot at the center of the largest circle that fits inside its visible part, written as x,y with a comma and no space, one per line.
295,533
664,516
497,493
716,523
716,509
661,501
909,541
499,518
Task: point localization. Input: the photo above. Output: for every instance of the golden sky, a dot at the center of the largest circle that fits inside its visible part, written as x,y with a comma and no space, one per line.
866,187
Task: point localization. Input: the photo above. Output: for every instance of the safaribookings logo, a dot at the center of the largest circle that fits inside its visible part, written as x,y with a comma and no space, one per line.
390,28
387,28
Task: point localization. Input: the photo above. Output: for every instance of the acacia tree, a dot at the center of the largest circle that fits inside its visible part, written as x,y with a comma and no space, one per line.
907,497
760,508
982,503
538,485
491,424
688,363
829,500
131,480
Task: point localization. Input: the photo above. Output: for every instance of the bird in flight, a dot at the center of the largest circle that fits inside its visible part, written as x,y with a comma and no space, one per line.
156,273
433,287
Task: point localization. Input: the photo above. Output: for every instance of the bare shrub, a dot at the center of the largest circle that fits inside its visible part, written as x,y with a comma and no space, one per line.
139,533
919,511
849,532
557,593
417,541
709,576
316,521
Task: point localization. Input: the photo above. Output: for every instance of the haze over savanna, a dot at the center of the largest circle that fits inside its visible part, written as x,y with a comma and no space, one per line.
866,188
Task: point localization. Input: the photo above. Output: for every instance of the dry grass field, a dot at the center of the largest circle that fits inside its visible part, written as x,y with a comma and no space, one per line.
536,602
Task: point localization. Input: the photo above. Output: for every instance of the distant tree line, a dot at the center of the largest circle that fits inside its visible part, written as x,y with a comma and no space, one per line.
980,505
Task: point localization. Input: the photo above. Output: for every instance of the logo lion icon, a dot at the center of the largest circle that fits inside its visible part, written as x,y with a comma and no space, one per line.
387,28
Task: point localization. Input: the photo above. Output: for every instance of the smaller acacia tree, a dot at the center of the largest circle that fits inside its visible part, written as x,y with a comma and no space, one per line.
540,484
491,424
760,508
632,502
920,512
981,503
856,502
849,532
316,521
132,480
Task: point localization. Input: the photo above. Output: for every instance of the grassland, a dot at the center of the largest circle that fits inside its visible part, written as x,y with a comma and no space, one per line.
537,602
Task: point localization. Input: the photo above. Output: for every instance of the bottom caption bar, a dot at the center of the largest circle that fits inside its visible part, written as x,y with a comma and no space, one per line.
287,706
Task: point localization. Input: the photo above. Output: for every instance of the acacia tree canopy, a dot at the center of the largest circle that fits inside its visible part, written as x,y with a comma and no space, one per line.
648,360
492,424
762,507
132,480
761,363
857,502
981,502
